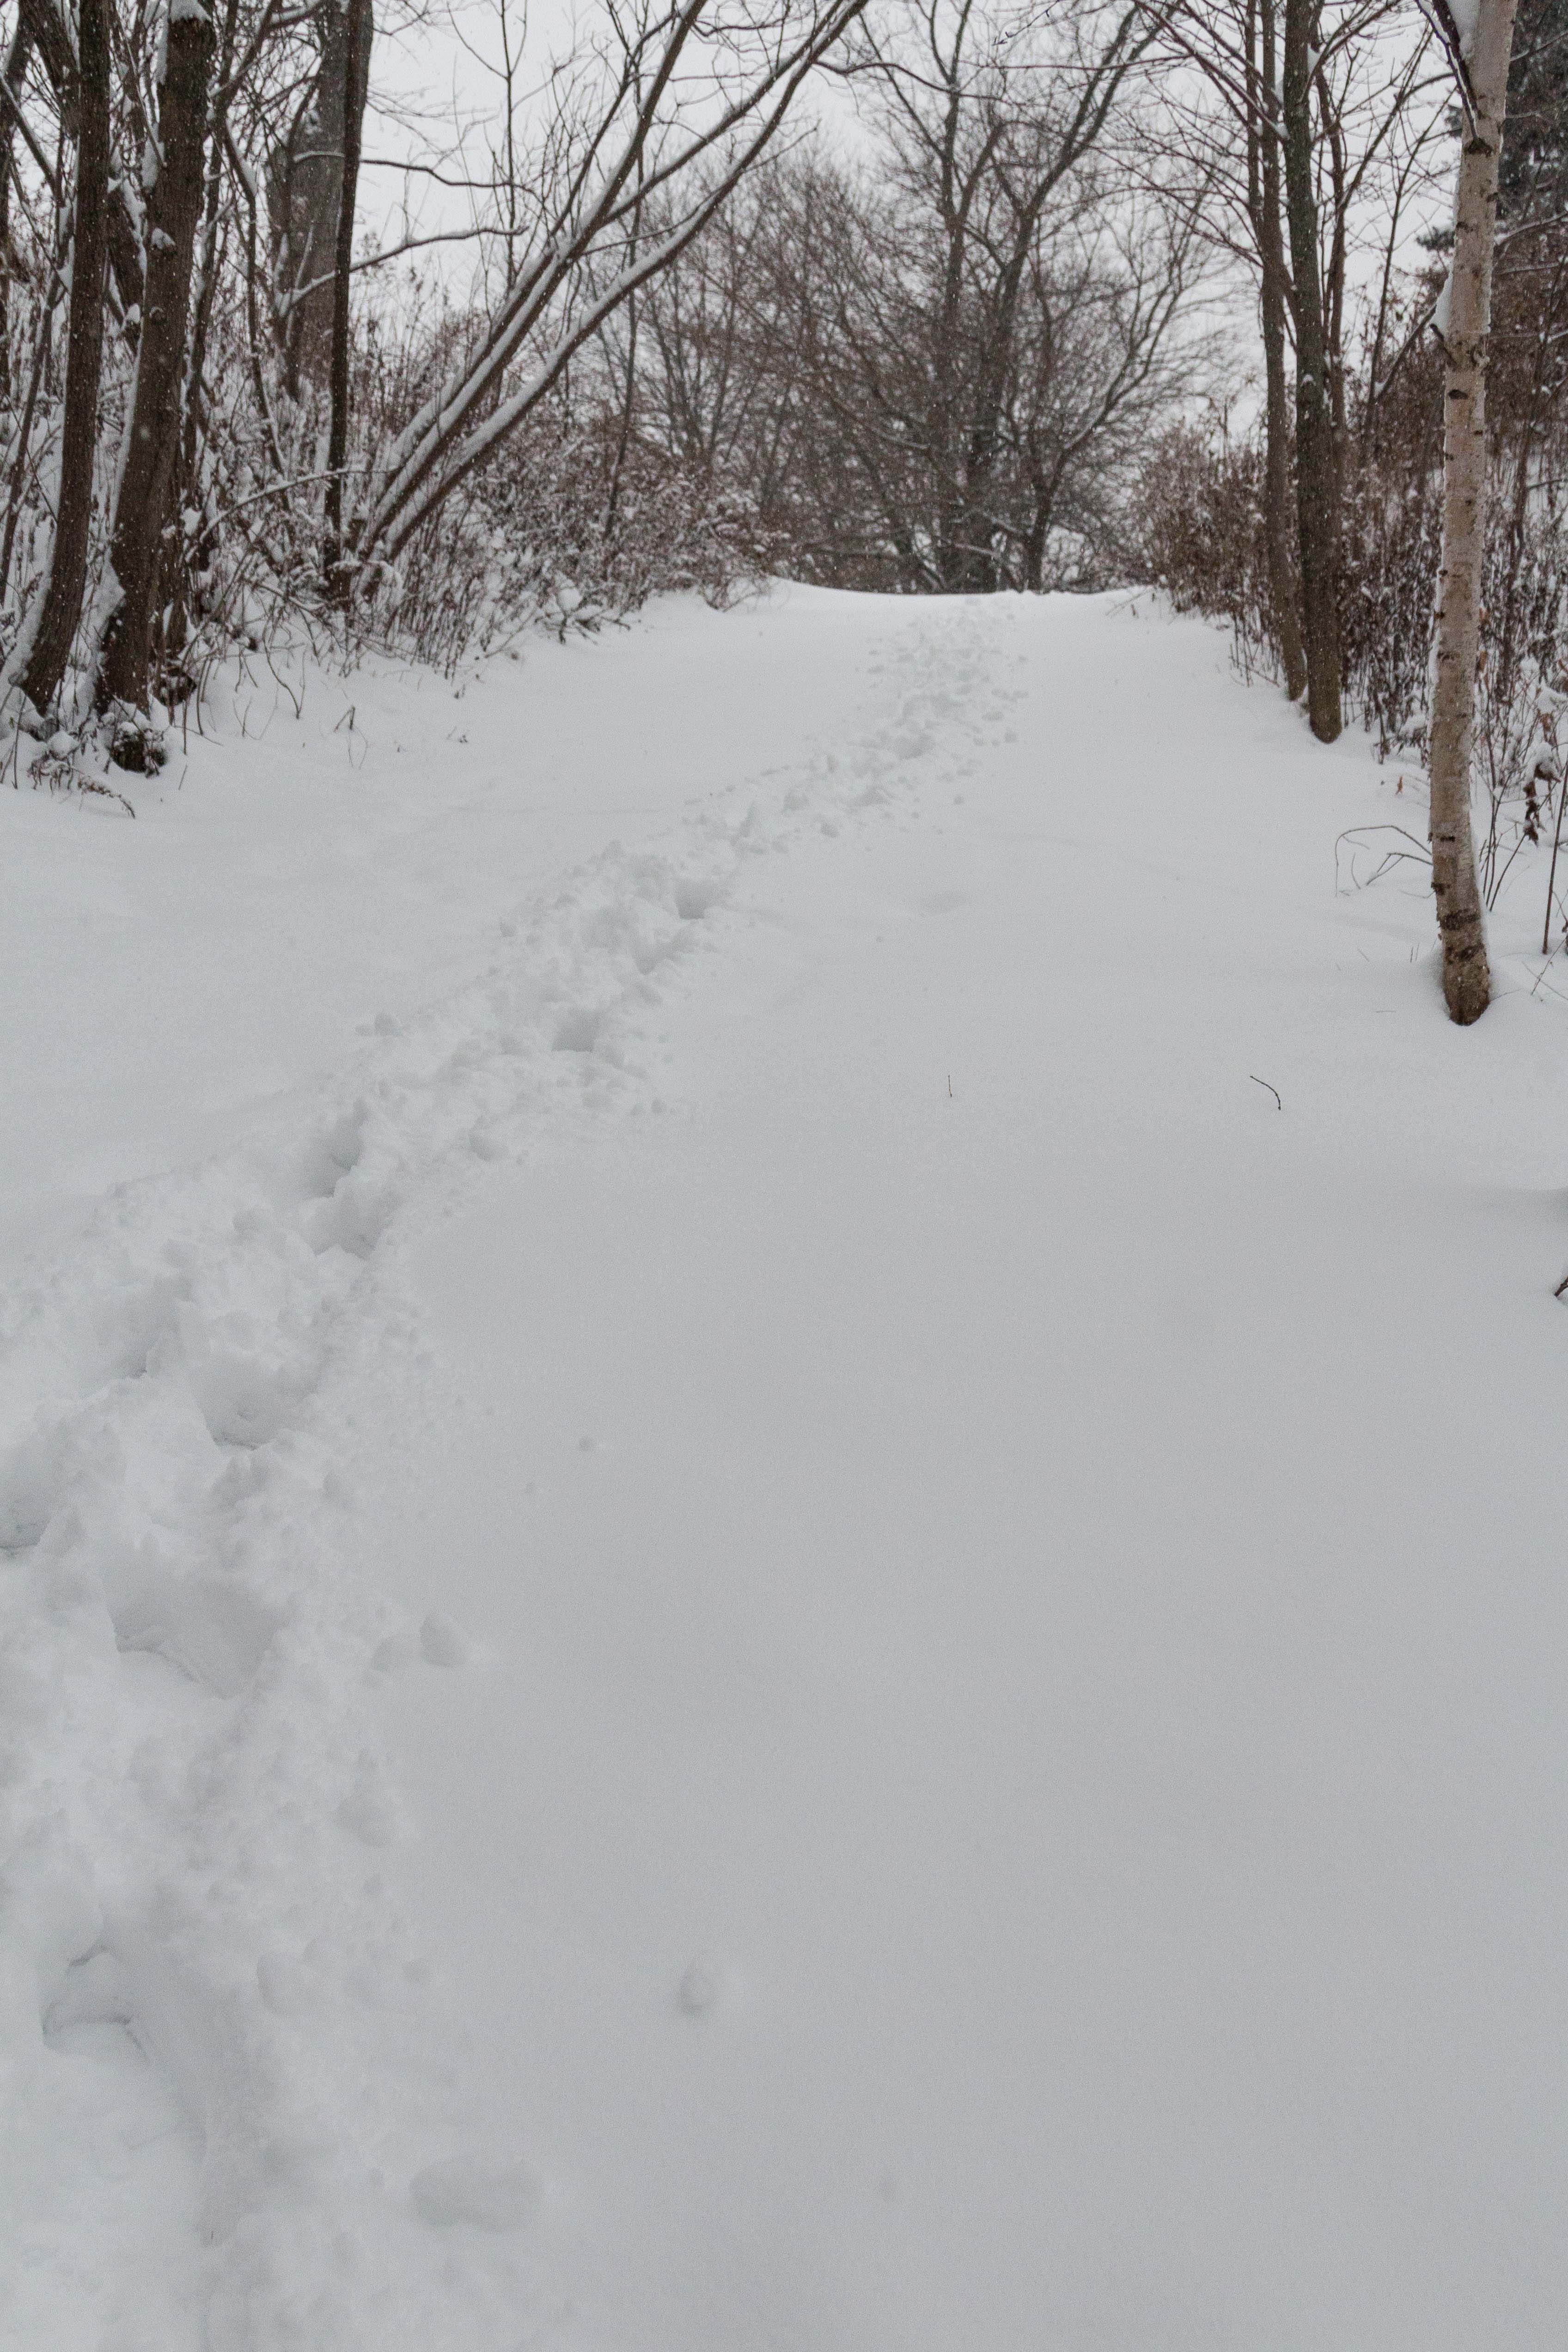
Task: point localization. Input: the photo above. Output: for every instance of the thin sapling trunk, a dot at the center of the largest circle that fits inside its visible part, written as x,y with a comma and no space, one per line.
1317,471
356,62
1283,587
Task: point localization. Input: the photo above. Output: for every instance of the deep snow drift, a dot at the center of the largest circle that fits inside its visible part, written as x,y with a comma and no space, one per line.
768,1623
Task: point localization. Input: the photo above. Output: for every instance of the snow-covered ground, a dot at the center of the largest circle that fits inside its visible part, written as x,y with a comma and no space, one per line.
743,1614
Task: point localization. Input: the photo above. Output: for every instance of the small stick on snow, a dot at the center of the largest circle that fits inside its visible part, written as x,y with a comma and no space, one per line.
1562,1286
1273,1090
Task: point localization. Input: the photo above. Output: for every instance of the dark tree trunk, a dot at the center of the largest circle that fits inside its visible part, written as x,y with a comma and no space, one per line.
45,29
16,70
185,475
356,76
172,209
1317,474
60,611
1045,480
1334,297
1034,545
1283,593
305,192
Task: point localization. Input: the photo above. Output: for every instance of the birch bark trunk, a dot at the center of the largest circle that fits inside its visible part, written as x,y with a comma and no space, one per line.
1461,925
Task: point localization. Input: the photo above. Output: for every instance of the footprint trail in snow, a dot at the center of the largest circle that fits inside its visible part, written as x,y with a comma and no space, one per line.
222,2045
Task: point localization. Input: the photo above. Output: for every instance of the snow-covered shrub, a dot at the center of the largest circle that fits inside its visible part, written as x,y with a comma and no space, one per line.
575,521
1199,514
1197,521
1391,532
1200,511
575,524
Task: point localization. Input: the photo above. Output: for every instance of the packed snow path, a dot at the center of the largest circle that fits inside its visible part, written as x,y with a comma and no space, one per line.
784,1629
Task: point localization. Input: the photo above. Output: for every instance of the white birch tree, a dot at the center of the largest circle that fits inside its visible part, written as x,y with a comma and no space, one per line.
1481,44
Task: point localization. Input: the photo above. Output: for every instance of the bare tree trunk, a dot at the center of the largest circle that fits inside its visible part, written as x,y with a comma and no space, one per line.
1284,594
1466,979
1039,533
43,338
47,27
1333,288
1282,589
173,206
60,612
305,192
628,406
16,72
1317,474
356,76
185,476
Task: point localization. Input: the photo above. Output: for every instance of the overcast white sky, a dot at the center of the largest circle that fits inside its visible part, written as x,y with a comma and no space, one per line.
437,67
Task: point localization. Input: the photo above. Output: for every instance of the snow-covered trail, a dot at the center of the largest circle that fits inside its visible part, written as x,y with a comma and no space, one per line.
784,1631
341,847
1010,1785
201,2068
